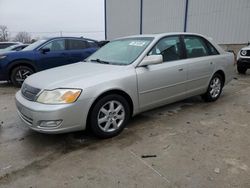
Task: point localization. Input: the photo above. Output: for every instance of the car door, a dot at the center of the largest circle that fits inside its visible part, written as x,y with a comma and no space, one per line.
200,64
78,50
53,54
163,83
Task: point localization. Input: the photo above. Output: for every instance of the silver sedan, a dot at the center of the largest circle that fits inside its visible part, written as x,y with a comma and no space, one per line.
125,77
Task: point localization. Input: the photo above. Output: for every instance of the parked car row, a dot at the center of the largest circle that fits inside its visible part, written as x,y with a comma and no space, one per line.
15,47
7,44
44,54
125,77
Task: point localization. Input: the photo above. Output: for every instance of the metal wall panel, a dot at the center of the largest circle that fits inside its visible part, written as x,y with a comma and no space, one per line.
226,21
122,18
161,16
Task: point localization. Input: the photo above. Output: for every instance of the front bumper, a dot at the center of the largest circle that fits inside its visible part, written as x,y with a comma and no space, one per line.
72,117
244,62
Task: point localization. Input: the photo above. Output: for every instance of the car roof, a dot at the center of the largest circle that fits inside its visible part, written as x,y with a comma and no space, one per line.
81,38
10,43
160,35
246,48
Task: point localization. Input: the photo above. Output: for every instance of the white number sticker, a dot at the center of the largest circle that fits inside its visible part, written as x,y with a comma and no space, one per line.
137,43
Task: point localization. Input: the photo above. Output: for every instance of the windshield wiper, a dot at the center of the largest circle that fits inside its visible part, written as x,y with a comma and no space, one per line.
99,61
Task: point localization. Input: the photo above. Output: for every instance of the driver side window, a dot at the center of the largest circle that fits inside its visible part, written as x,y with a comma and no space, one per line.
55,45
169,48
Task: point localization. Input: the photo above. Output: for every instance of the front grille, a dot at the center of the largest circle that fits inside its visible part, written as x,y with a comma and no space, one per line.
248,52
29,92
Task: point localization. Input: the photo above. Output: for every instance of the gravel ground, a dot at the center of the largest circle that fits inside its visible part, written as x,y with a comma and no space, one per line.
192,143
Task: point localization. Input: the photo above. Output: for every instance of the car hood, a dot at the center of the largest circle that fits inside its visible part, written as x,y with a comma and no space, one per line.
246,48
78,75
14,54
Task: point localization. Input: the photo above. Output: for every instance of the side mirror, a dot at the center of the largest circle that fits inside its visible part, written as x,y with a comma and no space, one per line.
45,50
151,60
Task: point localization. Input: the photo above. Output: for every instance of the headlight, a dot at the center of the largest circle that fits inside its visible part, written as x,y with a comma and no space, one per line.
3,56
59,96
243,52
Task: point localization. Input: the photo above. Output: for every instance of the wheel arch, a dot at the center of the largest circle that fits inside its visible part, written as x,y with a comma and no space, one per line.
108,92
222,74
21,62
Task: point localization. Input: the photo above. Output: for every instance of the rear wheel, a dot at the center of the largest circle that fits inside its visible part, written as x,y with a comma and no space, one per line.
109,116
241,69
214,89
19,74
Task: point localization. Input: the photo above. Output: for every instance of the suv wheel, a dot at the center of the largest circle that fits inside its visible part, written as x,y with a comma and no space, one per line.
241,69
19,74
214,89
109,116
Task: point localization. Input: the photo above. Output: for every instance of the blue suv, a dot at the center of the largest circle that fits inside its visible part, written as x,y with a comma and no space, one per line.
44,54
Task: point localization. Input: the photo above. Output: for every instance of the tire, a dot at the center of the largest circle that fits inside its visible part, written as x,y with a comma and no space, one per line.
241,69
106,119
19,74
214,89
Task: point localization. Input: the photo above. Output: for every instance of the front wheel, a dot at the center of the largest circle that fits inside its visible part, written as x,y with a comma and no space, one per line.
109,116
19,74
214,89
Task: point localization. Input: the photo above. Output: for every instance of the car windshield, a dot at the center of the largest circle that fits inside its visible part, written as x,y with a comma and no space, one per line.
34,45
121,51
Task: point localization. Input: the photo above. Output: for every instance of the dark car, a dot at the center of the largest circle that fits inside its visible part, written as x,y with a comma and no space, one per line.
44,54
16,47
7,44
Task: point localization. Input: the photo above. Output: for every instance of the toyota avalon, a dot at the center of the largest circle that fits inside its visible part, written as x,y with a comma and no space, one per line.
125,77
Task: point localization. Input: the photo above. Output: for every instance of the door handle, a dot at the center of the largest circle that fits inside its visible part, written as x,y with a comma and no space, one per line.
211,63
181,69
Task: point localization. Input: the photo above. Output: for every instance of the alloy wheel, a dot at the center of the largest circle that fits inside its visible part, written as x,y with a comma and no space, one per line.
215,87
111,116
22,74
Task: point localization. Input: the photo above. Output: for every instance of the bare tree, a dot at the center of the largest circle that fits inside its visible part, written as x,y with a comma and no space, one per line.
4,34
23,37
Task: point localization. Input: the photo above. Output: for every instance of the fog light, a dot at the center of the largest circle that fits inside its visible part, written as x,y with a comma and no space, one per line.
50,124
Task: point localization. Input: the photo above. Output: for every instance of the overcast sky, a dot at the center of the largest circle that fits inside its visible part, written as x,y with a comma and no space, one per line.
49,17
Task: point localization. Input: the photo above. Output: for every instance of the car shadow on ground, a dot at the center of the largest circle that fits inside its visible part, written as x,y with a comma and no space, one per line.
5,84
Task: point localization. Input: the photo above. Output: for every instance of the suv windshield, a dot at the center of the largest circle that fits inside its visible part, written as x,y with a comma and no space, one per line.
121,51
34,45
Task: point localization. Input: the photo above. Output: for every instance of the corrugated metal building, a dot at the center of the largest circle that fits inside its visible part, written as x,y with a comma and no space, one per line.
226,21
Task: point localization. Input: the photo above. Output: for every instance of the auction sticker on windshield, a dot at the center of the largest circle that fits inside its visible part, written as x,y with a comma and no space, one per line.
137,43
